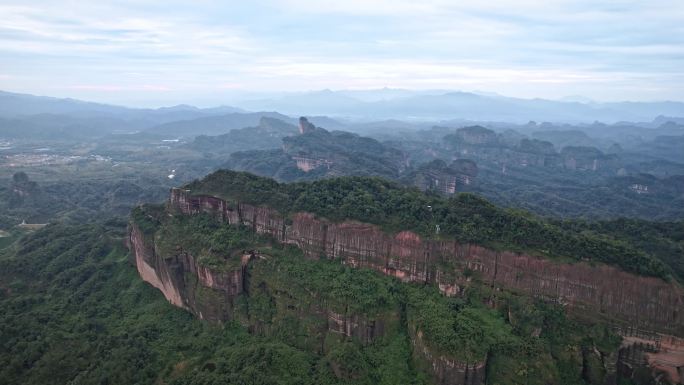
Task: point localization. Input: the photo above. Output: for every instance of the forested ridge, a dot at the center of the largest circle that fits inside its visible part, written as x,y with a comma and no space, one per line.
464,217
74,310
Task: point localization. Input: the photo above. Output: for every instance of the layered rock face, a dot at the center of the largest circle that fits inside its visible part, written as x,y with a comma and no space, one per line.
211,295
595,291
645,356
282,303
446,179
208,294
445,370
637,301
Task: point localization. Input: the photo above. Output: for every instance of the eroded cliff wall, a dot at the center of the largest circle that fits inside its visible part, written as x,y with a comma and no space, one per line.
595,290
208,294
636,301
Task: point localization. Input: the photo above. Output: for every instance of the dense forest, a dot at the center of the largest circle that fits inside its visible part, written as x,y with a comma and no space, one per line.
378,192
75,311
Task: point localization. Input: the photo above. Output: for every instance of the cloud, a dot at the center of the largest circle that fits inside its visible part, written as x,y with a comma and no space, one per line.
118,88
613,48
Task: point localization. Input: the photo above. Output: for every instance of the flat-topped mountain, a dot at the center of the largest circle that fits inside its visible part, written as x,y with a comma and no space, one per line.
238,247
436,176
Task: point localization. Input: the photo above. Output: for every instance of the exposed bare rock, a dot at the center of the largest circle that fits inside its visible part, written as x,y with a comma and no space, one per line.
641,301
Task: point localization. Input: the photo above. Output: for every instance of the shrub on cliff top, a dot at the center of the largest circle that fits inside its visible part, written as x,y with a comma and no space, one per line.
147,217
217,246
359,291
464,331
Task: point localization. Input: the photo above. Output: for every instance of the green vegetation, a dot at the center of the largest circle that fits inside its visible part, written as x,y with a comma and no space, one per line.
558,193
467,332
216,245
267,134
8,237
527,341
464,217
290,298
344,152
73,310
83,191
664,240
359,291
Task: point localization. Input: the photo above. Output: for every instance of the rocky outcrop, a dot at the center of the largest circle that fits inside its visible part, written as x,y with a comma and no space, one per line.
149,268
307,164
645,302
484,145
211,294
362,328
318,153
21,189
206,293
446,179
342,153
587,159
267,134
594,291
651,357
446,370
305,126
477,135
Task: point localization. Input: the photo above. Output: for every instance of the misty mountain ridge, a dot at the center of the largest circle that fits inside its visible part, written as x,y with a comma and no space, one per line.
15,105
479,106
371,105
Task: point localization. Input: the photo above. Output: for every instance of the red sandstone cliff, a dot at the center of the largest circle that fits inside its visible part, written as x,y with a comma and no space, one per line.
170,274
630,300
637,301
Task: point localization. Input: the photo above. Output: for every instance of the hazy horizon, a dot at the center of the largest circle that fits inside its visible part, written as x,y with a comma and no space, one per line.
238,98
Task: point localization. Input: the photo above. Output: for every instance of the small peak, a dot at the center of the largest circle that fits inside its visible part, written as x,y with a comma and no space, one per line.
305,126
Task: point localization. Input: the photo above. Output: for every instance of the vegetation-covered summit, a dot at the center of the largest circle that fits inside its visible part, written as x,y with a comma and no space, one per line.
464,217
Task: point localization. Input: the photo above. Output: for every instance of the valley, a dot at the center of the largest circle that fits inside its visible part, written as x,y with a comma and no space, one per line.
469,254
376,192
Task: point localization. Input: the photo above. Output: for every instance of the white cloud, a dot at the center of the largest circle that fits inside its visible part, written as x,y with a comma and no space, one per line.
523,46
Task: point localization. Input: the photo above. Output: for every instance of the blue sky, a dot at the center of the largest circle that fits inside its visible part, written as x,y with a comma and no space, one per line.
211,52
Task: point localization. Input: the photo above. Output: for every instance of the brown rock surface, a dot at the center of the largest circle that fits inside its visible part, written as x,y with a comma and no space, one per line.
588,290
638,301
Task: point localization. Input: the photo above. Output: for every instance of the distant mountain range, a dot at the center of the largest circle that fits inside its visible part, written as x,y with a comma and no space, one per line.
14,105
24,116
357,106
441,105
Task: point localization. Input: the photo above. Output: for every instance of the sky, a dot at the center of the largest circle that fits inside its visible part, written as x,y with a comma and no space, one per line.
203,52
